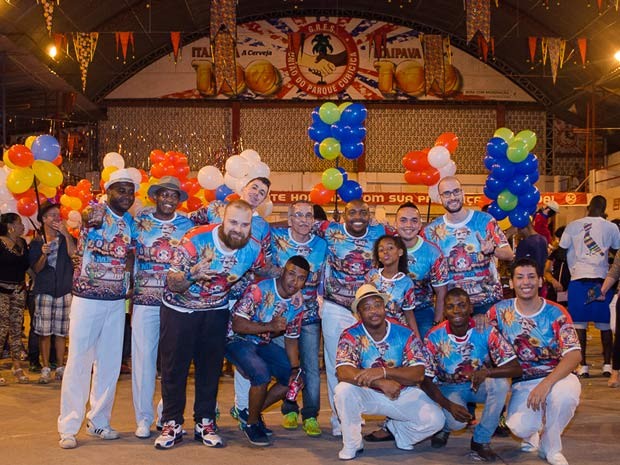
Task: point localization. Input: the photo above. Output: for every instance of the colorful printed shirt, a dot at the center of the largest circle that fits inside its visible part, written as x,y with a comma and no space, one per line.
261,303
155,243
428,269
400,288
539,340
202,244
452,359
283,247
400,347
349,258
102,258
468,267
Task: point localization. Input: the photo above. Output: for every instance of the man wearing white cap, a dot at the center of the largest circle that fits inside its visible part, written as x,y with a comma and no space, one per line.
157,235
97,316
542,217
378,364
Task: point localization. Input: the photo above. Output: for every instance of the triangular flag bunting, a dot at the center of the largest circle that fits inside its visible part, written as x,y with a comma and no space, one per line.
532,41
434,70
478,18
582,43
175,38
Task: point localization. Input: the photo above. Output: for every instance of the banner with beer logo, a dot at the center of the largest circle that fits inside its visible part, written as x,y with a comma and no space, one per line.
325,58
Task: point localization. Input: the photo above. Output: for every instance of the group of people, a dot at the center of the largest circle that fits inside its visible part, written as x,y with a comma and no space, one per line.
413,320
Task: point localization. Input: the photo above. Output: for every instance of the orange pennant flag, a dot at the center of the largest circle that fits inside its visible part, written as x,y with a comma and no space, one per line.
532,41
175,38
582,42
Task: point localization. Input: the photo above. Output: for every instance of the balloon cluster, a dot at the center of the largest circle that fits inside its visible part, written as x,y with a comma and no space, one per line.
337,130
513,173
33,164
74,199
428,166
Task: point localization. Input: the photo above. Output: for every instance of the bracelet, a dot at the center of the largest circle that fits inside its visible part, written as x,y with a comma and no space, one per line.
384,372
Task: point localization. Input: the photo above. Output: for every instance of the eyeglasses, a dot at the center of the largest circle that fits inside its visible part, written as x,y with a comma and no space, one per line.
303,216
448,194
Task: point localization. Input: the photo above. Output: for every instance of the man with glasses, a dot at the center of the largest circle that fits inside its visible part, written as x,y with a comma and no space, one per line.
470,240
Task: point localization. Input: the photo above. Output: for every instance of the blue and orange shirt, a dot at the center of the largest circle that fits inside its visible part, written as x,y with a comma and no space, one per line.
428,269
400,288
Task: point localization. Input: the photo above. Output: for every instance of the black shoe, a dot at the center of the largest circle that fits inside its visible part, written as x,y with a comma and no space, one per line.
34,368
381,435
256,435
439,440
484,451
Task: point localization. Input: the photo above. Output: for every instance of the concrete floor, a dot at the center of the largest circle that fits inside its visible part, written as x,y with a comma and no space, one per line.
29,435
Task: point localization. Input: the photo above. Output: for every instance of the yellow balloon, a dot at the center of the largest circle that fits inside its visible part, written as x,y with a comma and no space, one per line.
504,224
46,190
47,173
19,180
76,203
7,162
107,171
29,141
66,200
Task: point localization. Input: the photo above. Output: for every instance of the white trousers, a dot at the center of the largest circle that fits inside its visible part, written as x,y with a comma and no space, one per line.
144,342
411,418
561,403
335,319
95,346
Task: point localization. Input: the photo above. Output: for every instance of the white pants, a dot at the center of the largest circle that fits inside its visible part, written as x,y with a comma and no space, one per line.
411,418
561,403
335,319
144,342
95,345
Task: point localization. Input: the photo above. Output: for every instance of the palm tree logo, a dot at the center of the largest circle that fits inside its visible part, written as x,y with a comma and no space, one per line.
322,45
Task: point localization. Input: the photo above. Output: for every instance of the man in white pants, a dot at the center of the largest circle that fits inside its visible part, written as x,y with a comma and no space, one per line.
379,363
98,315
349,258
157,233
544,399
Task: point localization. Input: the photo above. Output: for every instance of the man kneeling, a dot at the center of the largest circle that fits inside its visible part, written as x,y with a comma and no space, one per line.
378,364
266,309
470,366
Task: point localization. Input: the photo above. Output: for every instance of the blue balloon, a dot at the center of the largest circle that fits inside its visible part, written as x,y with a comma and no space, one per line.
489,193
358,133
352,151
319,131
497,147
350,190
519,217
503,170
534,176
529,165
341,132
345,175
317,151
519,184
45,147
354,114
316,118
529,199
494,186
496,212
222,192
489,162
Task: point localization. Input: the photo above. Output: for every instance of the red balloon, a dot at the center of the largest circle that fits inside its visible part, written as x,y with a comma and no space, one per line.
64,212
145,175
210,195
170,170
20,155
181,171
42,198
29,194
413,177
171,157
190,186
84,185
72,191
431,176
58,160
321,194
26,206
158,170
157,156
449,140
231,197
416,160
193,203
181,160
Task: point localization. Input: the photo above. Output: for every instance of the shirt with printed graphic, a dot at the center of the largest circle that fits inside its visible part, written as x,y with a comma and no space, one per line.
428,269
453,359
102,258
261,303
469,268
400,288
156,241
399,348
203,244
283,247
349,258
539,340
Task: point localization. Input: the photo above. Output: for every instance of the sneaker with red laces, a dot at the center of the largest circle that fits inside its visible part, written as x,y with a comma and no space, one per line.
206,431
171,434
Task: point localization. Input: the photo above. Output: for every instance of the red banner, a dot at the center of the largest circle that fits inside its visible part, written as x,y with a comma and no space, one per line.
421,198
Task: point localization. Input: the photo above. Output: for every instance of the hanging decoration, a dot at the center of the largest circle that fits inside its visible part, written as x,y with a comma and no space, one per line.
223,38
555,47
478,19
124,39
532,42
434,60
582,43
175,38
48,12
85,44
61,43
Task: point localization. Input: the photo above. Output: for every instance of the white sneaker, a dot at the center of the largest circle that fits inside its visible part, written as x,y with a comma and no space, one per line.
46,375
583,371
106,432
348,453
557,459
207,433
67,441
60,372
143,430
606,370
171,434
531,444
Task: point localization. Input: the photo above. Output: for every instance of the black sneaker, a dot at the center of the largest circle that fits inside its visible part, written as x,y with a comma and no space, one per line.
484,451
256,435
439,440
34,368
261,423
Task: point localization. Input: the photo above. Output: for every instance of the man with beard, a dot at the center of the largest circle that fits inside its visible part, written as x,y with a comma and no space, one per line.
470,240
158,233
266,309
98,316
349,258
194,318
546,343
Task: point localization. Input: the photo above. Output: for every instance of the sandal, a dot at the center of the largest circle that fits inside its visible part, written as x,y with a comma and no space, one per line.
3,381
614,381
20,376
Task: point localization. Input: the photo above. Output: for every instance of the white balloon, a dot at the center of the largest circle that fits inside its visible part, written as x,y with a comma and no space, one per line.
250,155
261,170
135,175
241,183
9,205
438,156
265,208
231,181
237,166
447,170
114,159
72,224
433,193
209,177
75,217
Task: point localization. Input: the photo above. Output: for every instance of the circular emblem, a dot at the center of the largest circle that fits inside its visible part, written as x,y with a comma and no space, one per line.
571,198
322,59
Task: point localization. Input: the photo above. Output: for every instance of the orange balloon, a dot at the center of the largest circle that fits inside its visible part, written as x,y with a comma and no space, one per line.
209,195
193,203
20,155
157,156
26,206
157,170
84,185
57,161
64,211
321,194
449,140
